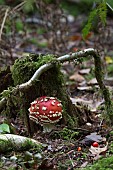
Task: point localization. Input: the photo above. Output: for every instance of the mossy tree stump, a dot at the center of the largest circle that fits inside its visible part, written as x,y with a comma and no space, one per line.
50,83
38,75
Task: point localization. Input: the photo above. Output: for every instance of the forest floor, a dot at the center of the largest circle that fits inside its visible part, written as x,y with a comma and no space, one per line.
68,149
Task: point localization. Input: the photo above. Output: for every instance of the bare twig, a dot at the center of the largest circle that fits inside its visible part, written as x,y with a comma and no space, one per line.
3,22
2,102
19,6
109,6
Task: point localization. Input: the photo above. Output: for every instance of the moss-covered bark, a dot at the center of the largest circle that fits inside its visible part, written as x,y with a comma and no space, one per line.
5,78
104,90
9,142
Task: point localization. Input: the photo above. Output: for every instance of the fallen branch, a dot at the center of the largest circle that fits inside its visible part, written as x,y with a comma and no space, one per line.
3,22
69,57
10,142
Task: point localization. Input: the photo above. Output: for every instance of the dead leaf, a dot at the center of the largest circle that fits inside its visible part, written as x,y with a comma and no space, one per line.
94,137
84,71
77,77
86,88
76,37
83,84
80,100
98,150
93,82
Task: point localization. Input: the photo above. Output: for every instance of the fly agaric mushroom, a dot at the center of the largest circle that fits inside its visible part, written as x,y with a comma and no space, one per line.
46,111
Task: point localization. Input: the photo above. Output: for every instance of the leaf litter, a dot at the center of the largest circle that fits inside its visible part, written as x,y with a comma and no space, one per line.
60,153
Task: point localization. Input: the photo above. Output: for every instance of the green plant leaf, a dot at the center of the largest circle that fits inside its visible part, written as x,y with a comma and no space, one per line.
88,26
4,128
29,5
2,2
102,12
19,25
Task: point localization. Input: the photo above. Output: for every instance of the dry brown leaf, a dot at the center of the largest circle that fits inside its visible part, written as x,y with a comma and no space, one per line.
84,71
77,77
98,150
93,82
76,37
93,105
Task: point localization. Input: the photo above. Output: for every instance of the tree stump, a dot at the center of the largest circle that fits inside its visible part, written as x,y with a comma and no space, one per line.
51,83
42,76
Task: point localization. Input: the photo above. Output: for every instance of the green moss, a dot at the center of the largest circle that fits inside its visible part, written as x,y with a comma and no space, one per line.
50,82
6,146
71,121
102,164
24,68
68,134
111,133
110,69
29,144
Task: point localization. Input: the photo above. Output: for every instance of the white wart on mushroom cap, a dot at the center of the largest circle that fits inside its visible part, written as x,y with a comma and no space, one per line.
46,110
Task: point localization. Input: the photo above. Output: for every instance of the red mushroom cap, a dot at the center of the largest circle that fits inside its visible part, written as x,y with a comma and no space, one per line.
46,110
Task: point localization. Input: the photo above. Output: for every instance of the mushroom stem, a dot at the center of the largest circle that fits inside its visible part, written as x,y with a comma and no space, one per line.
48,127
